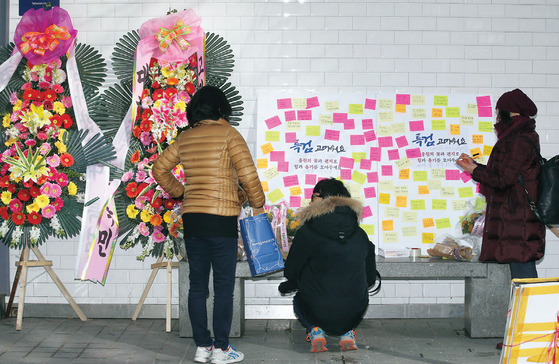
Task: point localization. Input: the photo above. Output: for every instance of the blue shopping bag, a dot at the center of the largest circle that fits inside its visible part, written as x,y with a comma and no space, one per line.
262,250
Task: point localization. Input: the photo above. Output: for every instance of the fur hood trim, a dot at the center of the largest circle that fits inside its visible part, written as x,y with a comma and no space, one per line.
327,206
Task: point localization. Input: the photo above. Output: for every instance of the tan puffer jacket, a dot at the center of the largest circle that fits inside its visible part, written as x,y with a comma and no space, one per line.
215,157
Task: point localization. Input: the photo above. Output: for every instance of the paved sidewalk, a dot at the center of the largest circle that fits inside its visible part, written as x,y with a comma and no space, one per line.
48,340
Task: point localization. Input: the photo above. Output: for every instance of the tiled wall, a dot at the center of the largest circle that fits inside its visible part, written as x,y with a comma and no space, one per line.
446,46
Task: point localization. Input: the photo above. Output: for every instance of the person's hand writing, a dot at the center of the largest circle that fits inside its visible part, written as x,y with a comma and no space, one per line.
466,163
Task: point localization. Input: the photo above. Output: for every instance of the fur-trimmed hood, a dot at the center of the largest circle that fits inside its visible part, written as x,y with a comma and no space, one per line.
333,217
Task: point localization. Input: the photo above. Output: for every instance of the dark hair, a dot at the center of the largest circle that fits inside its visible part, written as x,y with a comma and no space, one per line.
331,187
504,117
209,102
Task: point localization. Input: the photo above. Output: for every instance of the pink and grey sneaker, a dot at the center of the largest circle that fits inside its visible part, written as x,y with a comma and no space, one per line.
347,341
317,339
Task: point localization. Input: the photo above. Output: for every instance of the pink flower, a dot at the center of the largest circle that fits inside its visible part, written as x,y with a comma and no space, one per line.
42,135
53,161
66,101
140,202
48,74
58,203
55,191
184,96
158,237
16,205
127,176
143,163
30,142
44,149
48,211
145,138
34,76
13,98
58,89
62,179
26,85
46,189
143,229
44,85
141,176
150,179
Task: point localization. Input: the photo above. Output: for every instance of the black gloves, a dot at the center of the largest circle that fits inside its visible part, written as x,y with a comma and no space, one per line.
288,287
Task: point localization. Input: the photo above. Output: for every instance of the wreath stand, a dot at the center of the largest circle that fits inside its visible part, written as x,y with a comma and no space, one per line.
169,265
24,263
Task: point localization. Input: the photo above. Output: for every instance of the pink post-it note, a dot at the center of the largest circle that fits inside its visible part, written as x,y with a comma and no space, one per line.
308,193
417,125
370,135
283,166
339,117
365,164
346,162
370,104
402,141
294,201
386,170
370,192
321,178
477,187
403,99
277,156
385,142
290,137
312,102
284,103
465,177
290,181
367,212
273,122
485,111
357,140
290,115
375,153
413,153
367,124
349,124
372,177
304,115
393,155
452,174
483,101
330,134
310,179
345,174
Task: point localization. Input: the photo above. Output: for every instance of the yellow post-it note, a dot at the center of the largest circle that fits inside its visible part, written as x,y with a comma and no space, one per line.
385,104
454,129
467,120
262,163
447,192
386,185
443,223
409,216
409,231
293,125
418,99
471,109
272,136
452,112
427,238
417,204
419,176
355,109
331,106
312,130
465,192
487,149
440,100
434,184
384,130
391,212
401,201
294,191
265,186
299,103
400,108
390,237
438,204
423,190
357,156
485,126
384,198
275,195
403,163
267,148
385,116
459,205
404,173
477,139
401,190
387,225
418,114
436,113
438,124
369,229
358,177
428,222
438,173
476,153
271,173
326,119
398,128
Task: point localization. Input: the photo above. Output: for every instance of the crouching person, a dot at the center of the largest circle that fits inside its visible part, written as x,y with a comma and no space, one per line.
331,265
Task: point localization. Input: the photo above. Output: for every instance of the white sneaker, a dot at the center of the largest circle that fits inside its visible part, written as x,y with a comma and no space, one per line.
231,355
203,354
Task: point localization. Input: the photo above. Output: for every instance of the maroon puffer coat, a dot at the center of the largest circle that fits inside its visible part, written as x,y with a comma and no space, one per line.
511,233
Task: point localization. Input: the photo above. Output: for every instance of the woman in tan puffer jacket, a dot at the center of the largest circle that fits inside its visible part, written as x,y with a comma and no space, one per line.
215,158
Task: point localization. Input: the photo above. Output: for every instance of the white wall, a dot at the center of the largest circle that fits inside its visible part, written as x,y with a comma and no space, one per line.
461,46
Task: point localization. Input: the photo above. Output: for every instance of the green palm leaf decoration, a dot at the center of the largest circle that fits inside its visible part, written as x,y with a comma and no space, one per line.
236,102
112,106
92,69
17,79
219,60
96,150
123,55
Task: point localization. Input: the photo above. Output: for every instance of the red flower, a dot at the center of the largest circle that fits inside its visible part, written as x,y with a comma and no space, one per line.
132,190
67,120
66,160
157,203
142,187
4,181
18,218
145,93
42,179
58,89
157,94
58,203
34,218
147,113
135,158
190,88
29,94
11,187
153,157
155,85
38,95
136,131
49,95
27,184
169,204
193,60
34,191
4,214
24,195
145,125
170,91
47,105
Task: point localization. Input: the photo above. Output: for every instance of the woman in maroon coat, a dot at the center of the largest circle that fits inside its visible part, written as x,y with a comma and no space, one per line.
512,234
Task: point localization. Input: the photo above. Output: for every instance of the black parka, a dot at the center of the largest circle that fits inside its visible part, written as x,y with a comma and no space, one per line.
333,263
